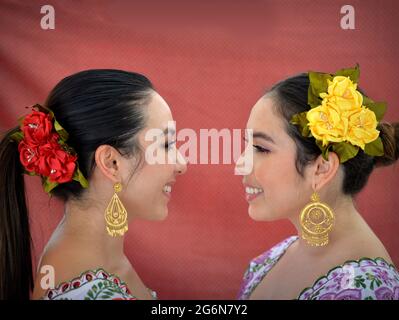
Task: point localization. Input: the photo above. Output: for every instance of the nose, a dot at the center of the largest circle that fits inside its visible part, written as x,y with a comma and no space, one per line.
239,164
244,164
181,164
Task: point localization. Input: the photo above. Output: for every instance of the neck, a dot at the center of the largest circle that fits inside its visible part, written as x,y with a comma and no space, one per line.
347,222
86,226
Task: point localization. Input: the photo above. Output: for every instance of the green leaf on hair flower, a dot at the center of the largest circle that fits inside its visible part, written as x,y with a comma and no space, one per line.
375,148
43,109
318,84
301,121
345,151
378,108
17,136
324,149
79,177
352,73
324,153
313,100
306,132
49,185
60,130
21,120
367,100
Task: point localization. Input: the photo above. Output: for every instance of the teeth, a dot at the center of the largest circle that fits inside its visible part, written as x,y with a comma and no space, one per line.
167,189
250,190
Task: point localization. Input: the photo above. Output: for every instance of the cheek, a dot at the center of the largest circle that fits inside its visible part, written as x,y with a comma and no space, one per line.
282,188
272,172
145,196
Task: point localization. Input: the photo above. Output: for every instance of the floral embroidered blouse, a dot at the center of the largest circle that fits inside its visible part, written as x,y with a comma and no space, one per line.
364,279
92,285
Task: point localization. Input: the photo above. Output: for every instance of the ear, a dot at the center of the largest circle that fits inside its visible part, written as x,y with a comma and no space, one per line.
108,160
325,171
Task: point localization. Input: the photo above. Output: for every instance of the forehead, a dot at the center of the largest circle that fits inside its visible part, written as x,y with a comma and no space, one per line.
158,112
263,118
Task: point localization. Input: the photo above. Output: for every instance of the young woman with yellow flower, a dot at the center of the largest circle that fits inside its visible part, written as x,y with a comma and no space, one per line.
316,140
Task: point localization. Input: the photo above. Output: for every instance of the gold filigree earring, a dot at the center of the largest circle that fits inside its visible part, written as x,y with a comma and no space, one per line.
116,214
317,220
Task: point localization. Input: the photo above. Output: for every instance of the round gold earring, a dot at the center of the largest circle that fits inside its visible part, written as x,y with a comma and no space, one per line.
116,214
317,220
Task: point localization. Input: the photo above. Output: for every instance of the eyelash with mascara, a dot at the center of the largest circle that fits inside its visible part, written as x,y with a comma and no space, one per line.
258,148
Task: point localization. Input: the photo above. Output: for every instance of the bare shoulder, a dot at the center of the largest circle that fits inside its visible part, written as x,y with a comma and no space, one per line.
363,247
60,264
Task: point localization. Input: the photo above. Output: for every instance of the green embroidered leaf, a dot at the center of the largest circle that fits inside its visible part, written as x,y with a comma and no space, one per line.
345,151
352,73
94,288
359,281
109,293
369,276
375,148
90,294
100,285
369,298
316,293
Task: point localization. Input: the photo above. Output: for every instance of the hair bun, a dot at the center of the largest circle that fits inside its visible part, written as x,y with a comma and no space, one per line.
389,133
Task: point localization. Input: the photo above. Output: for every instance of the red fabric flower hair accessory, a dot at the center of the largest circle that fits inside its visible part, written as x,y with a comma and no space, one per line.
43,149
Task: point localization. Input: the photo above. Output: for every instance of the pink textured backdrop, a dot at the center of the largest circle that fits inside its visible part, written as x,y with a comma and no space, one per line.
211,62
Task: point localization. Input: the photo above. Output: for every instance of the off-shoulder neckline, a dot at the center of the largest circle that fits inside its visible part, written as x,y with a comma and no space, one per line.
58,289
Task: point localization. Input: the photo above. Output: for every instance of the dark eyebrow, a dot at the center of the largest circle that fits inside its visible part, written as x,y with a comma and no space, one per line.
263,136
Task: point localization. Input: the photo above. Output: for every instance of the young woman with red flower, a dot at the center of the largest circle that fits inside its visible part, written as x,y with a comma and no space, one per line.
87,143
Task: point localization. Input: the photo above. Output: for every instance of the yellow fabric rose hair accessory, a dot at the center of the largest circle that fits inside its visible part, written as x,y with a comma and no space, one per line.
341,119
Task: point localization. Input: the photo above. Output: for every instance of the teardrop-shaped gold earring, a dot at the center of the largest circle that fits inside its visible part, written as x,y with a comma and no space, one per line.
116,214
317,220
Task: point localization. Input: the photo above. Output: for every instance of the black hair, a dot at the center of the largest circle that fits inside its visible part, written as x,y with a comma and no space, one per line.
95,107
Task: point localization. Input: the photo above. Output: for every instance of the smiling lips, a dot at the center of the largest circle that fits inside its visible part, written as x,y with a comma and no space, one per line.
252,192
167,189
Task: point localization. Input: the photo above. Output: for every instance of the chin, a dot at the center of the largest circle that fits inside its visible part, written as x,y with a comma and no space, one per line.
159,215
259,215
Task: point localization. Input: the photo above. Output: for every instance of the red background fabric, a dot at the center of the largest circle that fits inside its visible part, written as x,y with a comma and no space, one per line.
211,61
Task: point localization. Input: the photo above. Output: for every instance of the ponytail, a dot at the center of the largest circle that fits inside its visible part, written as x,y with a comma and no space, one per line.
16,278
